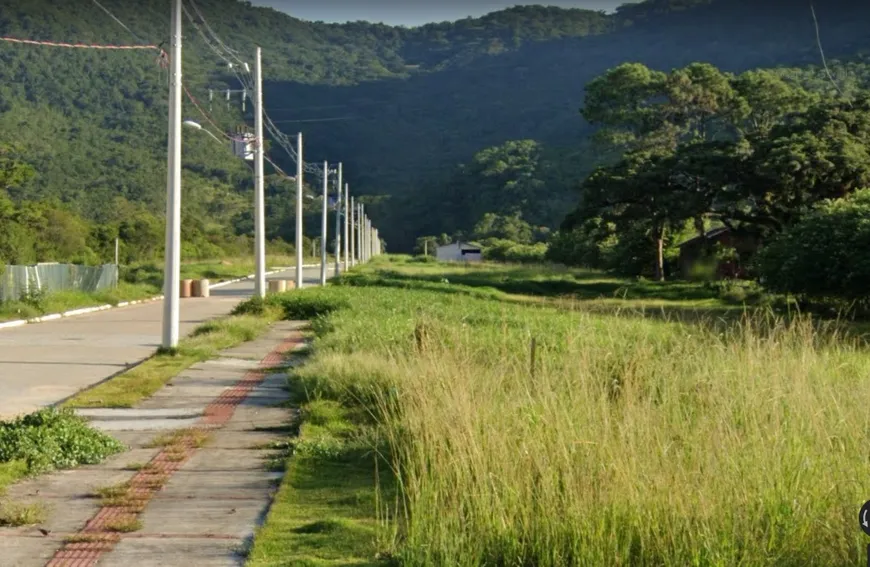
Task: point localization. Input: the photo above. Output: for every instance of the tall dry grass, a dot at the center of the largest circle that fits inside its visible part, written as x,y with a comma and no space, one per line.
632,442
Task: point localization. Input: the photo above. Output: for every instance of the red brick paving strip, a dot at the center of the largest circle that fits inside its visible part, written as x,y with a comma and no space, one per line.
97,537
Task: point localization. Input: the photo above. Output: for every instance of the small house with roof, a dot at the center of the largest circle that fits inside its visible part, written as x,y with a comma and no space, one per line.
459,252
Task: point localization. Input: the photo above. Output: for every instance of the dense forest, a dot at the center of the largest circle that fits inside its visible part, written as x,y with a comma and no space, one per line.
470,127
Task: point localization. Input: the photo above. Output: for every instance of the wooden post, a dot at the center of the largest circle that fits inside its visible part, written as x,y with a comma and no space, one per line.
534,349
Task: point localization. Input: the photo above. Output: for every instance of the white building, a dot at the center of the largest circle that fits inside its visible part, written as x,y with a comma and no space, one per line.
459,252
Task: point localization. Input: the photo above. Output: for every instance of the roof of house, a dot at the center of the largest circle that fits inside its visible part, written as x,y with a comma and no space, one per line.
461,244
710,234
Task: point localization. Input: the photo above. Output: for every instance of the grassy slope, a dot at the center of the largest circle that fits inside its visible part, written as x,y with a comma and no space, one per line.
638,441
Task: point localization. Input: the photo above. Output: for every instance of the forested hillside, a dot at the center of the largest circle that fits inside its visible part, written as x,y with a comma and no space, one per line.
403,108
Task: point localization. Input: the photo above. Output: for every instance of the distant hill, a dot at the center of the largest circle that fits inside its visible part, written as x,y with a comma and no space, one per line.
401,107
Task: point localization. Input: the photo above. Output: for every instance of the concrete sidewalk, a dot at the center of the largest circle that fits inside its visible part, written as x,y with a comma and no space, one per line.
45,363
198,506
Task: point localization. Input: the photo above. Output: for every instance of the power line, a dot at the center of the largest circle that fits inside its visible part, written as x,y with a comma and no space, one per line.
335,119
78,45
822,52
227,54
230,52
208,118
122,24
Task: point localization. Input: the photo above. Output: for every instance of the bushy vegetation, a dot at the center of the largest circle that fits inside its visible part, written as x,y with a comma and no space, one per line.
824,256
53,439
522,434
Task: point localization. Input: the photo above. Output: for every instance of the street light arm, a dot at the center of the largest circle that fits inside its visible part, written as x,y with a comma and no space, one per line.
198,126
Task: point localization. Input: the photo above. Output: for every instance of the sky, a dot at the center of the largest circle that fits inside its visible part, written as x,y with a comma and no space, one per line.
411,12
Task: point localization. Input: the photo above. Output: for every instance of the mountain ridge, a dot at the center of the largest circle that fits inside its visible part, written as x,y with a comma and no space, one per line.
406,106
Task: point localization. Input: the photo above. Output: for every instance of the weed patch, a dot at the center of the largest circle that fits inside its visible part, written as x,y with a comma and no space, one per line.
180,438
13,514
53,439
124,525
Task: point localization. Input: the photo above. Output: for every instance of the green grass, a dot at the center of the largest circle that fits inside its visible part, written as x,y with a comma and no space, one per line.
15,514
10,473
325,513
593,288
634,440
142,381
68,300
41,442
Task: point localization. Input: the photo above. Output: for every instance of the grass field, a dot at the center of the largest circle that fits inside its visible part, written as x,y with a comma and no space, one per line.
530,418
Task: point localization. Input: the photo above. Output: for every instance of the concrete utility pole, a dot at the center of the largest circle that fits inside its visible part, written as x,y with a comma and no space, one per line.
364,227
323,229
369,239
338,222
299,244
359,242
346,226
172,256
353,244
362,244
259,184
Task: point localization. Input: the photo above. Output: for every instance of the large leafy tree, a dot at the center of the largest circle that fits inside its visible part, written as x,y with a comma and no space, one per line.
16,242
826,254
750,151
638,190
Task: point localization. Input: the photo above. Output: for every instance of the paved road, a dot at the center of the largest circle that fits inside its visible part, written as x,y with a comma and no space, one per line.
44,363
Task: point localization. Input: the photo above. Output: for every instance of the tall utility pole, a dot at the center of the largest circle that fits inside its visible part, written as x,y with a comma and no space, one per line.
323,224
259,191
346,226
368,239
362,216
352,233
338,222
172,256
299,245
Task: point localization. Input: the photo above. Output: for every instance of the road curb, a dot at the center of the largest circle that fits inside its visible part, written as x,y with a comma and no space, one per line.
89,310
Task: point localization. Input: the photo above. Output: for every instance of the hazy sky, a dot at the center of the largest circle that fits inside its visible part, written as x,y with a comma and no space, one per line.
412,12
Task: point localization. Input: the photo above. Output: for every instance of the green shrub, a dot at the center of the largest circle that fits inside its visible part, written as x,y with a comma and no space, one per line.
500,250
53,439
296,305
826,255
423,260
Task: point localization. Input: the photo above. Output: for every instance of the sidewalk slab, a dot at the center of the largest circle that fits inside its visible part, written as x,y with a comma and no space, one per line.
170,552
209,508
43,364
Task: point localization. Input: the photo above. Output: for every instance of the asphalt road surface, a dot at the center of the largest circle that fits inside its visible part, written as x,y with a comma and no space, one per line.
44,363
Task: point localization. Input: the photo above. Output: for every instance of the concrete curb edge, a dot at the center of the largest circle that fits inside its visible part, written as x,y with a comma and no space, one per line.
88,310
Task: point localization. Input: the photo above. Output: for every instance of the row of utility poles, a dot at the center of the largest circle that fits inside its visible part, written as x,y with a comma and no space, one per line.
359,243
